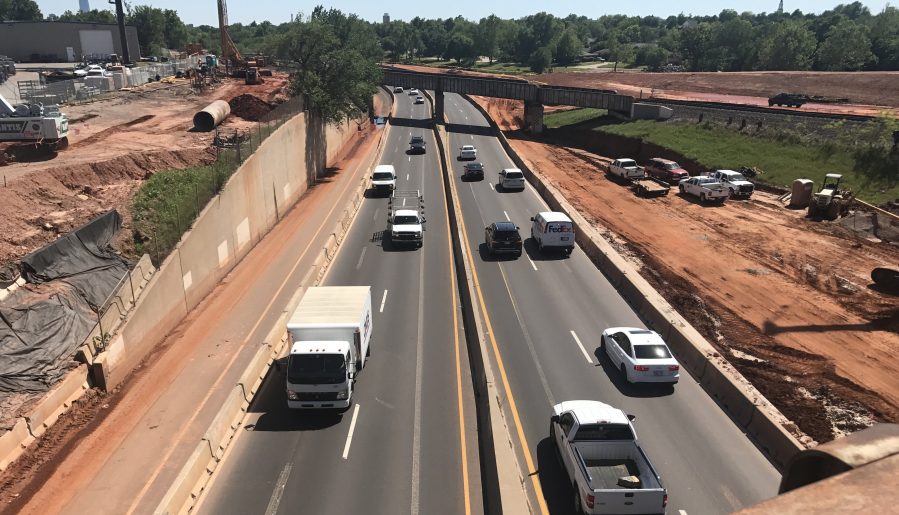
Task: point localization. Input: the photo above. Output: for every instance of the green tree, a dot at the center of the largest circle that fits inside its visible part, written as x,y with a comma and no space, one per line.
735,42
93,16
150,25
338,58
789,46
174,31
541,59
697,47
847,47
461,48
487,36
20,10
885,39
568,48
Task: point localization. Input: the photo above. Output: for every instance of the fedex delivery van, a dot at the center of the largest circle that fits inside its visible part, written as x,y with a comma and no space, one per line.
555,230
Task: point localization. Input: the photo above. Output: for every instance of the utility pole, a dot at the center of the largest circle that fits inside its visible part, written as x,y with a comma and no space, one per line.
120,16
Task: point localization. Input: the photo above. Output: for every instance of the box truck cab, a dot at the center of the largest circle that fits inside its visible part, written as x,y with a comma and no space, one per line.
329,335
551,229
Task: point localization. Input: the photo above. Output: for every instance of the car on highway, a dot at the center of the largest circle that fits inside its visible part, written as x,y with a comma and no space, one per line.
473,171
383,179
417,145
502,238
640,354
510,179
419,100
398,89
413,92
468,152
708,189
553,230
665,170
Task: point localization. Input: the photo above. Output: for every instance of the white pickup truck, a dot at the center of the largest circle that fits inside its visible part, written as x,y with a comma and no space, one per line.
608,469
735,182
708,189
626,169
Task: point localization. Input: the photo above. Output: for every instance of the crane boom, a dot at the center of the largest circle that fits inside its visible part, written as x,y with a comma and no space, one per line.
229,49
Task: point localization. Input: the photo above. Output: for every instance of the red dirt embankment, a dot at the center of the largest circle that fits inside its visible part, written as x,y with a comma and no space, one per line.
786,299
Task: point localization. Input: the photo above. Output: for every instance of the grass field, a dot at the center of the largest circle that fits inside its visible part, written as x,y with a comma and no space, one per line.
782,162
571,117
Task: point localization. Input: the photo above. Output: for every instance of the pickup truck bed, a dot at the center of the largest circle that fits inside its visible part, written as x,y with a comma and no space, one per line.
604,474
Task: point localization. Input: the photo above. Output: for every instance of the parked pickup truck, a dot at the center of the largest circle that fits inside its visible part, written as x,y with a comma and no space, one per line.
626,169
734,182
708,189
608,470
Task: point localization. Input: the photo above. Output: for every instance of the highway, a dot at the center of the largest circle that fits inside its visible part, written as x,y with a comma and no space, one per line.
546,314
409,443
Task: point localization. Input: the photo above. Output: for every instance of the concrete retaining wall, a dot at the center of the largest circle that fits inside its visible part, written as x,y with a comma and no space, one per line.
196,472
270,181
745,405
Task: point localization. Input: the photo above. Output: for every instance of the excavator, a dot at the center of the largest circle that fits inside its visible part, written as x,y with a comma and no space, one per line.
236,64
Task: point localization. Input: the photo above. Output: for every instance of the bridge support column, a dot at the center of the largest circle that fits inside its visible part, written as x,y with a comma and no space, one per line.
438,106
533,117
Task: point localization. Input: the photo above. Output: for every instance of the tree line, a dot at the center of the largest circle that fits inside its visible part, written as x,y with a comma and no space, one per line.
846,38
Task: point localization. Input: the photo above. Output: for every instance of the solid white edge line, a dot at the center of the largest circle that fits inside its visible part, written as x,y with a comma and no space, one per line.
581,346
383,300
349,436
507,216
532,263
278,492
682,512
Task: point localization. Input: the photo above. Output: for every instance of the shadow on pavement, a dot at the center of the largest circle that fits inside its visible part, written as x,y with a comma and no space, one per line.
476,130
631,390
553,479
484,251
548,254
412,122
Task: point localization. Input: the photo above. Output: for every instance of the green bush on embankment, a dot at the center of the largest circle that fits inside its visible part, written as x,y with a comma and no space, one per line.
571,117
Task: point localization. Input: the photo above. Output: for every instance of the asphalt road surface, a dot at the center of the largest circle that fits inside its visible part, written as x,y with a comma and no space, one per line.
399,448
547,312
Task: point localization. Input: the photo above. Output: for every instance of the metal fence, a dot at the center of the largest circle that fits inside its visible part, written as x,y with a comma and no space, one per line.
66,91
163,221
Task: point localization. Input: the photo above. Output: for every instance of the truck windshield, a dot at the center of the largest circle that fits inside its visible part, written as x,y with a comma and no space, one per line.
591,432
382,176
736,177
672,166
316,369
405,220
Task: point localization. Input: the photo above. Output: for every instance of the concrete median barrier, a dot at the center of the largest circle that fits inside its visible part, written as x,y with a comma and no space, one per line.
14,442
58,401
743,402
189,483
222,428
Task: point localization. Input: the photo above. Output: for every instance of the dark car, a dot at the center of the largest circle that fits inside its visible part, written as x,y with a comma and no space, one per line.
502,238
665,170
473,171
417,145
788,99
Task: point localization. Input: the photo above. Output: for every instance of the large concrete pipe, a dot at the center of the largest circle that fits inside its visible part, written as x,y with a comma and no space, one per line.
211,115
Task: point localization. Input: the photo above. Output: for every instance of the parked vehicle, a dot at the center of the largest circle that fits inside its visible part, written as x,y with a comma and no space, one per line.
405,218
511,179
330,336
417,145
736,184
706,188
831,201
468,152
551,229
473,171
383,179
502,238
650,187
665,170
626,169
608,470
788,100
640,354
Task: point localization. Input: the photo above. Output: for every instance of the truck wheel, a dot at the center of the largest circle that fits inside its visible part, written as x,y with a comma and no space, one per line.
702,197
624,373
681,188
577,508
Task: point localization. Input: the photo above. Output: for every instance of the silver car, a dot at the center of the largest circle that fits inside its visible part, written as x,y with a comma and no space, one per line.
641,355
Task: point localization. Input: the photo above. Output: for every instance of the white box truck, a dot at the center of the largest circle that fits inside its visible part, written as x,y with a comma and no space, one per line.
329,335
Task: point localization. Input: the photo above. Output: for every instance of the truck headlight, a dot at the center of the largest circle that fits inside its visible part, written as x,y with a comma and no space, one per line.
292,395
418,235
394,234
342,394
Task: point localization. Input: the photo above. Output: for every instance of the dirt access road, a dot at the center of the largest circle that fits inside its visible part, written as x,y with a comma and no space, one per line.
115,144
784,298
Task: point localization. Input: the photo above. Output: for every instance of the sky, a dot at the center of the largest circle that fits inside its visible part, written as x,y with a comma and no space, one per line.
199,12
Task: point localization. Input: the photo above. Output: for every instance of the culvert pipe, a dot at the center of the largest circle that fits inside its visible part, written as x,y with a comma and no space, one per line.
211,115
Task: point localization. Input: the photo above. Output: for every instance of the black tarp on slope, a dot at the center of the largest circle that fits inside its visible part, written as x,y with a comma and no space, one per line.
42,324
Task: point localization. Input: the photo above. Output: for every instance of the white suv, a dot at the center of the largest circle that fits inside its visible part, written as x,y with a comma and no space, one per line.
511,179
468,152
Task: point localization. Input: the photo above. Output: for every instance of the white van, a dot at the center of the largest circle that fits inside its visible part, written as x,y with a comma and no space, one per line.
553,229
383,179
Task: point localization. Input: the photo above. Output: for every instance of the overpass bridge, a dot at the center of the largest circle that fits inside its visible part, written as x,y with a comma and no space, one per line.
535,96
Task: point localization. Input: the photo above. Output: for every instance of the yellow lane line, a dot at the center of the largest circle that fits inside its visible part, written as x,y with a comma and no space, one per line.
532,470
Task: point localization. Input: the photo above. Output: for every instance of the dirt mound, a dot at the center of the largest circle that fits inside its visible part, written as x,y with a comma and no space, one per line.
249,107
35,209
